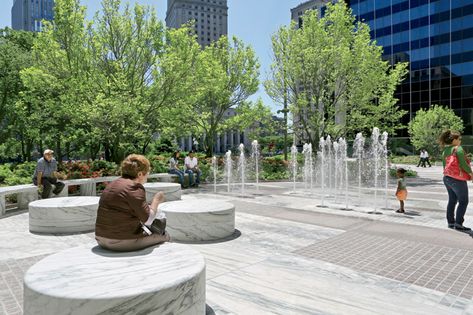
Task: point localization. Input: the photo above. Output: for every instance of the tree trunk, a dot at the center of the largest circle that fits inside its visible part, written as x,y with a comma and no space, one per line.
58,150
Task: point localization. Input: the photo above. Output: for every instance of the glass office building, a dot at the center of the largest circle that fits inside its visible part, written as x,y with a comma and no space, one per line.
27,14
436,38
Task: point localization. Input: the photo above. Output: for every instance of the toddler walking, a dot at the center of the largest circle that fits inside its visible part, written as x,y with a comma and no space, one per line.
401,191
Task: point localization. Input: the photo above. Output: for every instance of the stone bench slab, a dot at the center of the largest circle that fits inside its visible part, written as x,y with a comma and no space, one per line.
63,215
165,279
171,191
199,219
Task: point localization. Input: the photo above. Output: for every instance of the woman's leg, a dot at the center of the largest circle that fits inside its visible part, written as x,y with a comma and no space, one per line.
461,190
452,199
133,244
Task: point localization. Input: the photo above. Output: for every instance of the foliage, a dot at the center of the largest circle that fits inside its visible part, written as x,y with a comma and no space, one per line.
408,173
409,159
274,168
16,174
88,169
328,68
427,126
226,74
15,55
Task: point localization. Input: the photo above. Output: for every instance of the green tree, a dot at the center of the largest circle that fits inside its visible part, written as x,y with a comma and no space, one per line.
225,76
333,76
15,55
427,126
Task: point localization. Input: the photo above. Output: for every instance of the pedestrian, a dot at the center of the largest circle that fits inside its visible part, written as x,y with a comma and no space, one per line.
401,191
426,158
421,158
46,175
192,168
174,167
456,171
123,210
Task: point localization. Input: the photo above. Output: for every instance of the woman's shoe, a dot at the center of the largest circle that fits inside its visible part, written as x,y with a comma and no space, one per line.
460,227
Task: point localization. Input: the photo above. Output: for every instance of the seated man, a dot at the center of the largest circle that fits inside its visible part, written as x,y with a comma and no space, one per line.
46,175
192,167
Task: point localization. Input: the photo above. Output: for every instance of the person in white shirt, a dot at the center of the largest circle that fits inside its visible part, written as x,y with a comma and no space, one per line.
426,159
191,168
421,159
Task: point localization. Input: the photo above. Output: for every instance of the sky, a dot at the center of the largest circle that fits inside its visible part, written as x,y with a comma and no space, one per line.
253,21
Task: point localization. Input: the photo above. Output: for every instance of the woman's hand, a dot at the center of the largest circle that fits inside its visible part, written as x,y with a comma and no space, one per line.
159,197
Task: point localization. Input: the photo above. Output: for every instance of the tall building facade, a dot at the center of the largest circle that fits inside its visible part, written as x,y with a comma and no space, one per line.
210,17
436,38
27,15
298,12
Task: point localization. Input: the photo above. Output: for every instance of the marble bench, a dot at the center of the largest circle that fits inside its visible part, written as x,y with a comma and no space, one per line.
25,194
63,215
199,219
165,279
171,191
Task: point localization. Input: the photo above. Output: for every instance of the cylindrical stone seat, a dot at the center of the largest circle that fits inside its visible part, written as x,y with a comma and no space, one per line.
199,219
165,279
63,215
171,191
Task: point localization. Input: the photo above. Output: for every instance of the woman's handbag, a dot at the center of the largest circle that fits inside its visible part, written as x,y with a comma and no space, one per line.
158,226
453,168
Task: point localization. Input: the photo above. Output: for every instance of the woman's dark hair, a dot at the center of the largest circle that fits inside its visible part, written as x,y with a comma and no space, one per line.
447,137
401,170
174,155
133,164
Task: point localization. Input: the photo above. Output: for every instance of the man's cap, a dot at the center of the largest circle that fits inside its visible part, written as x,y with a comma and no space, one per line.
48,151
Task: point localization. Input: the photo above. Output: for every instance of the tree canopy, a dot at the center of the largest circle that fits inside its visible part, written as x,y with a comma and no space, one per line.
428,124
333,77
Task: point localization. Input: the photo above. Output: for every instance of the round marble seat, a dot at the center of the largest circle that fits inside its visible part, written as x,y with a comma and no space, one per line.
199,219
171,191
165,279
63,215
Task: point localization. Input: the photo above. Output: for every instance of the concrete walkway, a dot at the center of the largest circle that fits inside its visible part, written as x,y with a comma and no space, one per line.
291,256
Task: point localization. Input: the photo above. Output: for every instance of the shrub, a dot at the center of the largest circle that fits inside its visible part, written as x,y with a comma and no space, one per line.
409,172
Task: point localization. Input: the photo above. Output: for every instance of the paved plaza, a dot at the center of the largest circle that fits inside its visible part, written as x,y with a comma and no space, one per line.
289,255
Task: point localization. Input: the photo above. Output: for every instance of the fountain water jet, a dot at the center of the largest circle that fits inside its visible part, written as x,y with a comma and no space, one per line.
242,166
214,170
228,168
294,165
255,155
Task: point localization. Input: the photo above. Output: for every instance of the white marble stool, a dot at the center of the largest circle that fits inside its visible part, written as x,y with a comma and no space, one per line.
165,279
171,191
63,215
199,219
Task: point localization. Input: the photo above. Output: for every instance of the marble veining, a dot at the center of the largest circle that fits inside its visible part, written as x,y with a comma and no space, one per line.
199,219
63,215
171,191
165,279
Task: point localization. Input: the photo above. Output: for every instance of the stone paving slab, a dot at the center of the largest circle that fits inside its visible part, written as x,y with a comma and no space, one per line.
444,269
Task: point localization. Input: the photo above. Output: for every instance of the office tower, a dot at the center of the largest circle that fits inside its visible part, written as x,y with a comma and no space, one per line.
209,16
28,14
298,12
436,38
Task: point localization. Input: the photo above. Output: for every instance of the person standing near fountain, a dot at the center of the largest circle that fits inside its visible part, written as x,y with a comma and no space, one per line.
192,167
456,171
401,191
174,168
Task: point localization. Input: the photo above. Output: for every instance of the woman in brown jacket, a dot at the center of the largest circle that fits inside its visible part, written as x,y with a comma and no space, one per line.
123,209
